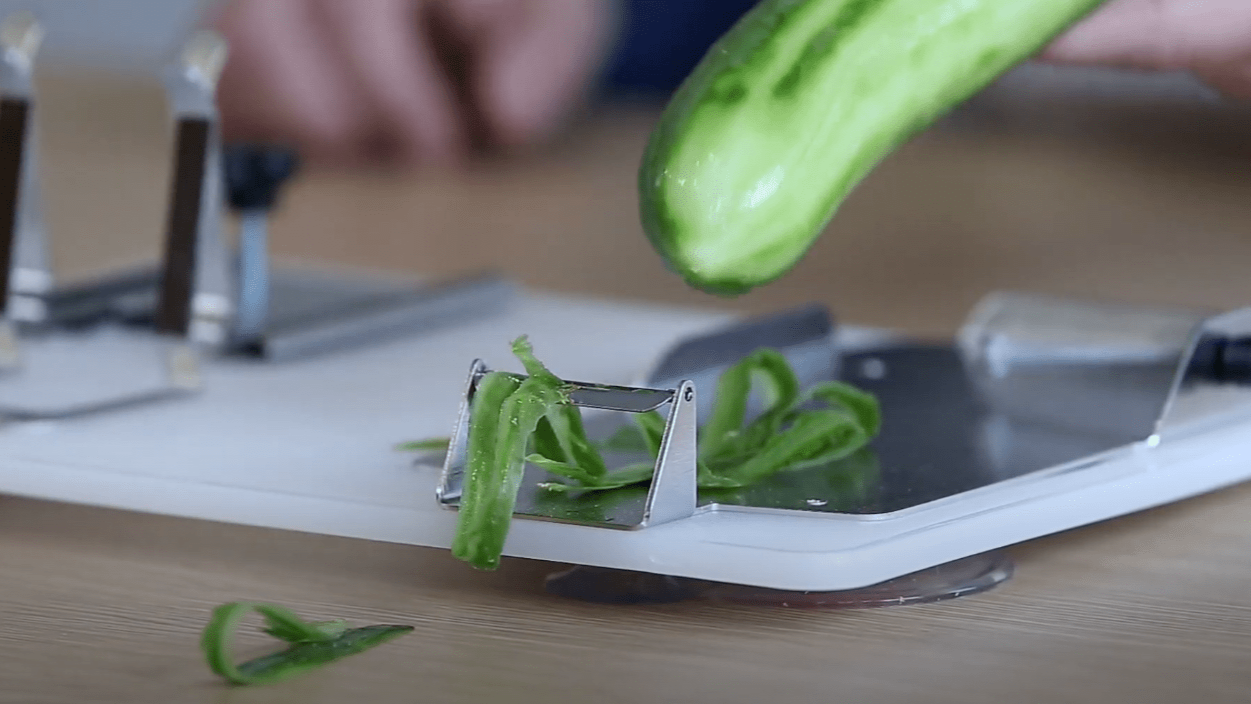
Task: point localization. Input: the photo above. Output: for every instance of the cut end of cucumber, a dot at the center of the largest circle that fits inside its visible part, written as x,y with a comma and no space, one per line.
729,278
722,256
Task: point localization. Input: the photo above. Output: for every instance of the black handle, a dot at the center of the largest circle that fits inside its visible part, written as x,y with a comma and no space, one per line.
255,174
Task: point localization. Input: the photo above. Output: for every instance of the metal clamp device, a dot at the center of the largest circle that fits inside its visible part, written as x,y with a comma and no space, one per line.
139,336
60,372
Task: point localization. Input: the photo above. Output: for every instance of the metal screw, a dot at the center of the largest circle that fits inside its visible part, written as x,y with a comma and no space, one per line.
690,394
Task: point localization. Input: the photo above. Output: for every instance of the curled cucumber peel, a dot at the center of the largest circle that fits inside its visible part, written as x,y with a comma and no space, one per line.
310,644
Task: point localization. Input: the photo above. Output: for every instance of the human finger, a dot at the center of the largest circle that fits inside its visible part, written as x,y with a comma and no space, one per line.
1158,35
279,85
398,75
532,60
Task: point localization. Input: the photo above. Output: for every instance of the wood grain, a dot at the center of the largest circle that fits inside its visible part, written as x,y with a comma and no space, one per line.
107,606
104,606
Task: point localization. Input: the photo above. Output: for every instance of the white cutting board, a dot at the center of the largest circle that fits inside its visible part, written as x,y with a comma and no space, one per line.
308,446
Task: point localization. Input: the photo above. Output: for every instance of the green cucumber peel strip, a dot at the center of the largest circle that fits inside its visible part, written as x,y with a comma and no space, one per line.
518,420
505,414
786,437
311,644
431,445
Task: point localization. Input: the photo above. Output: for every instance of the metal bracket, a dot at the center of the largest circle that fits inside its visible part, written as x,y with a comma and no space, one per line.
63,373
673,490
193,236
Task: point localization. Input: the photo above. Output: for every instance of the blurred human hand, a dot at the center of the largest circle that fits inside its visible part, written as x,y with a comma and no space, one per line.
1210,38
362,81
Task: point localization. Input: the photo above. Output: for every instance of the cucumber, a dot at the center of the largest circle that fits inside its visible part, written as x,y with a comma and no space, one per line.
797,103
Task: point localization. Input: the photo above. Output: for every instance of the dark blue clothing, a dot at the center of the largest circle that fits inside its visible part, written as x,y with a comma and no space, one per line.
662,40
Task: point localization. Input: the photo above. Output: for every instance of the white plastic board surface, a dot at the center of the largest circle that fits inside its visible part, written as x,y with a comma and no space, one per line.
309,447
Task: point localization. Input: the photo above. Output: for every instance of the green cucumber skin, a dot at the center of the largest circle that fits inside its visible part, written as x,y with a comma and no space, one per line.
793,107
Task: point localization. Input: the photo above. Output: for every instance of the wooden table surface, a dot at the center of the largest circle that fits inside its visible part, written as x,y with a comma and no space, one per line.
104,606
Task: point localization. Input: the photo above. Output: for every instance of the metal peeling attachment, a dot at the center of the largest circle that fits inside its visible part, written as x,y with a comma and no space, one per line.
671,495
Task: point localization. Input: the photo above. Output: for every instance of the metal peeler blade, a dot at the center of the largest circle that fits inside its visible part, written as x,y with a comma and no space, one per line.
672,492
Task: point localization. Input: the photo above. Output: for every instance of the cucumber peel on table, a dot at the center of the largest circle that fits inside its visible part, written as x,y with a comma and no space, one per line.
310,644
515,420
793,107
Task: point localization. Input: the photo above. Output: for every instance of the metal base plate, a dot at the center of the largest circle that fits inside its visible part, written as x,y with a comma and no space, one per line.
312,312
